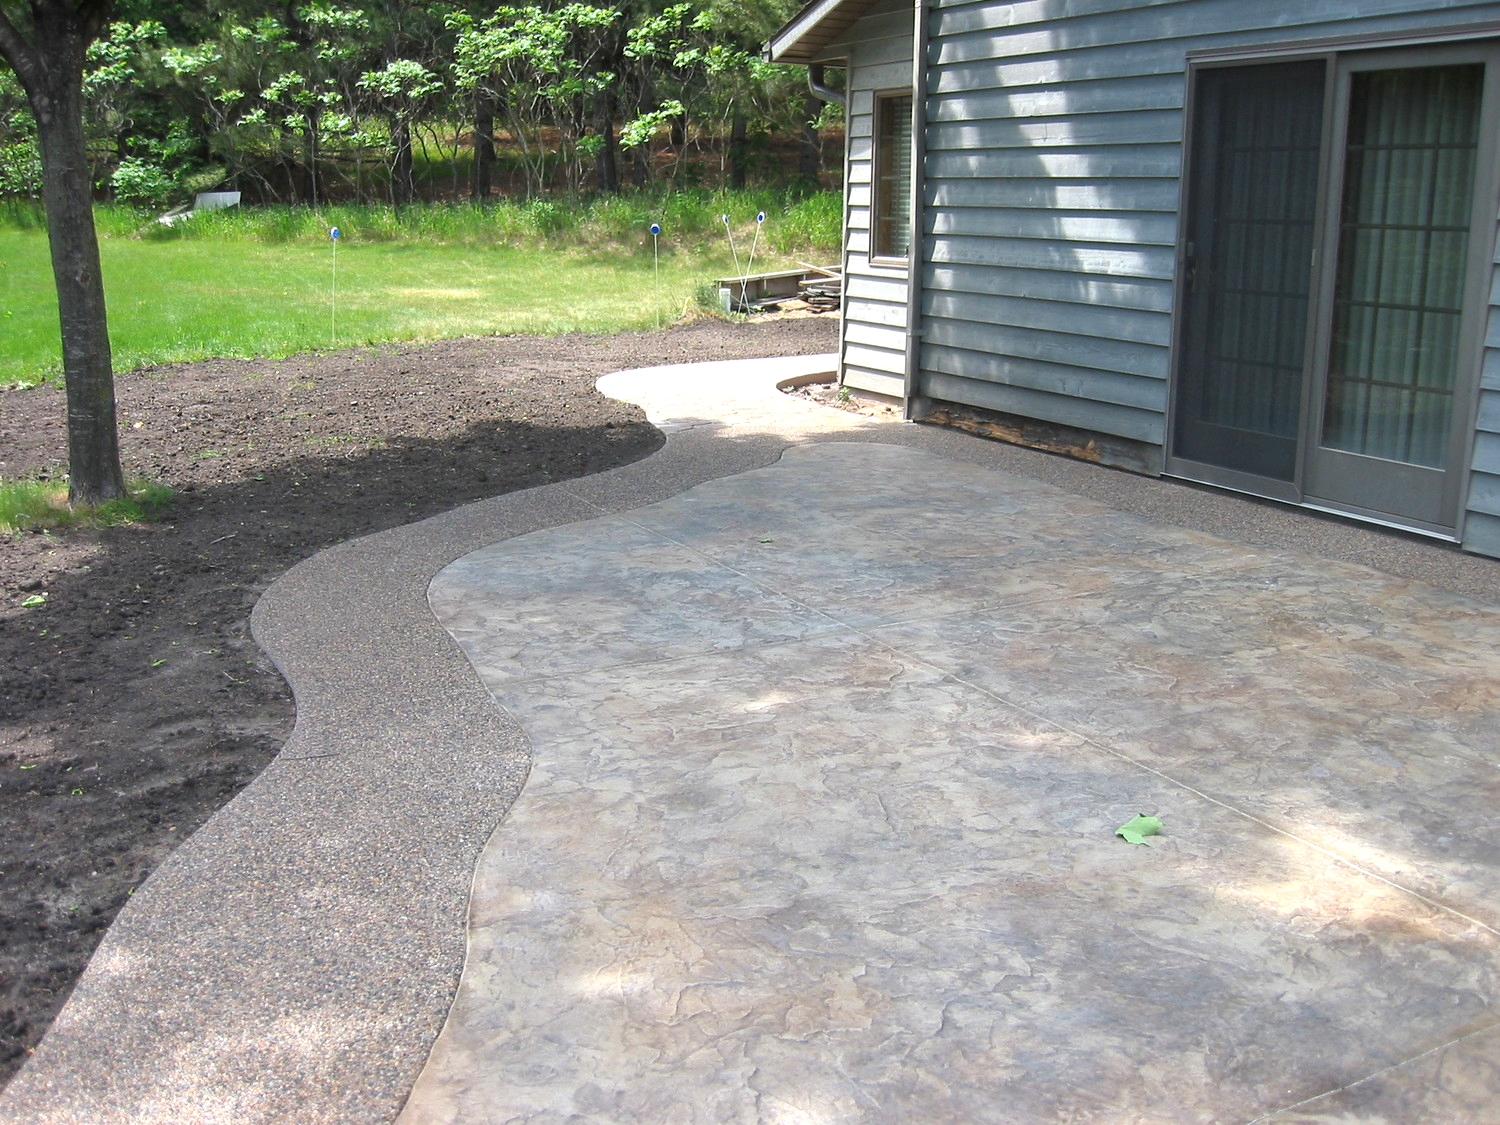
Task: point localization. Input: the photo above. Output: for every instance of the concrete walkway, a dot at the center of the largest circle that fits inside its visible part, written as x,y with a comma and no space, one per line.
830,742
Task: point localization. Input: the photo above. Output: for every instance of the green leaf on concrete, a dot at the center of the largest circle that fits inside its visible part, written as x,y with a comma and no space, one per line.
34,600
1137,828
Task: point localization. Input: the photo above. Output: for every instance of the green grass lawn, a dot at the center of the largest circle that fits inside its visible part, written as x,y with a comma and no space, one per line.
229,292
173,301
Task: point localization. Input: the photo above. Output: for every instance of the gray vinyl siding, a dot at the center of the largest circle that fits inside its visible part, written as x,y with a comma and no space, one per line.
873,349
1482,526
1054,151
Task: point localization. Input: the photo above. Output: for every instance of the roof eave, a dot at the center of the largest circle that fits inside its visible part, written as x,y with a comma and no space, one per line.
806,35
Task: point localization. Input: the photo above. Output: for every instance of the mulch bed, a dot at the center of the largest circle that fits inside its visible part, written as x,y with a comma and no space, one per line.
133,702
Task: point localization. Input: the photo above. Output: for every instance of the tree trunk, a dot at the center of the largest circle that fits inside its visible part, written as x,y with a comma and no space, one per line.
810,158
484,146
571,136
310,162
51,70
607,161
738,151
402,186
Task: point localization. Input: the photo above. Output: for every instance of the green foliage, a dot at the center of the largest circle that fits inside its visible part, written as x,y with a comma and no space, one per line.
20,170
35,504
644,127
20,159
705,59
403,83
141,183
205,179
350,99
706,300
538,65
25,503
543,216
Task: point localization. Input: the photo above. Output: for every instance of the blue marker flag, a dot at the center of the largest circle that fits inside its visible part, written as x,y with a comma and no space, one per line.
334,233
655,228
760,218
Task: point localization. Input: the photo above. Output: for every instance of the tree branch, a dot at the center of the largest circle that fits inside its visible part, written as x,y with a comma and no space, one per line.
16,51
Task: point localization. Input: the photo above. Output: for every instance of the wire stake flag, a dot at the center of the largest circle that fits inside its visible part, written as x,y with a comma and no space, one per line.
760,218
656,271
334,234
729,231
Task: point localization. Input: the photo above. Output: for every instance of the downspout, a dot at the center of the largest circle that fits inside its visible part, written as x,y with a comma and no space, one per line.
815,74
914,406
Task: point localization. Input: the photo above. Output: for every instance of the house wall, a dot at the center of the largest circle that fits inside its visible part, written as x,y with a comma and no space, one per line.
1482,528
873,347
1054,147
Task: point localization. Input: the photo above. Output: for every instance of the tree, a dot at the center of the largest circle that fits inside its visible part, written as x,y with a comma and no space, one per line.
401,91
540,68
45,42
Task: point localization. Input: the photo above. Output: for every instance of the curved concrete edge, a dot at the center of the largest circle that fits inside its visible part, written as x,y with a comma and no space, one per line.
296,957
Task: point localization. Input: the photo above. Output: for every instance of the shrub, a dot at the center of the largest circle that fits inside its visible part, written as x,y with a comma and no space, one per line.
141,183
206,179
544,216
20,170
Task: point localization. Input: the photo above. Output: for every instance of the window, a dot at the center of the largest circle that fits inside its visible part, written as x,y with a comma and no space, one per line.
891,222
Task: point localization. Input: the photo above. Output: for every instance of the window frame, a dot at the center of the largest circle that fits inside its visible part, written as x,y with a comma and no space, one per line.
882,182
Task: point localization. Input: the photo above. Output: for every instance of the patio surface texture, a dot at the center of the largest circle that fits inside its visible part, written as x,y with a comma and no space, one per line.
829,725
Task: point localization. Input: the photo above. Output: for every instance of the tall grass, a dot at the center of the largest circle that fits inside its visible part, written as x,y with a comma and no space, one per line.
815,223
247,282
21,214
795,221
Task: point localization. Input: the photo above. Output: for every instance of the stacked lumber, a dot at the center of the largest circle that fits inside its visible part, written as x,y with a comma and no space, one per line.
815,288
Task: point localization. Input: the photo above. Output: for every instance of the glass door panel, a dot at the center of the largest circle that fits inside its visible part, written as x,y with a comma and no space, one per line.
1252,214
1403,256
1397,341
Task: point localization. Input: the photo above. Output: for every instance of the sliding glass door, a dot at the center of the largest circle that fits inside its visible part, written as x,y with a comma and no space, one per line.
1341,211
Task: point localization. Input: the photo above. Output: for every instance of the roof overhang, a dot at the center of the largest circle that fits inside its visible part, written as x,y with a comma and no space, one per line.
811,30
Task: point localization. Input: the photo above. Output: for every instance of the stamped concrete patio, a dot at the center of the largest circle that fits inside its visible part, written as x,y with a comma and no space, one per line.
830,726
828,759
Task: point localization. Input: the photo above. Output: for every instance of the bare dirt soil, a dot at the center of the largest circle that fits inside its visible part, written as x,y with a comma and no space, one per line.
869,405
133,702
